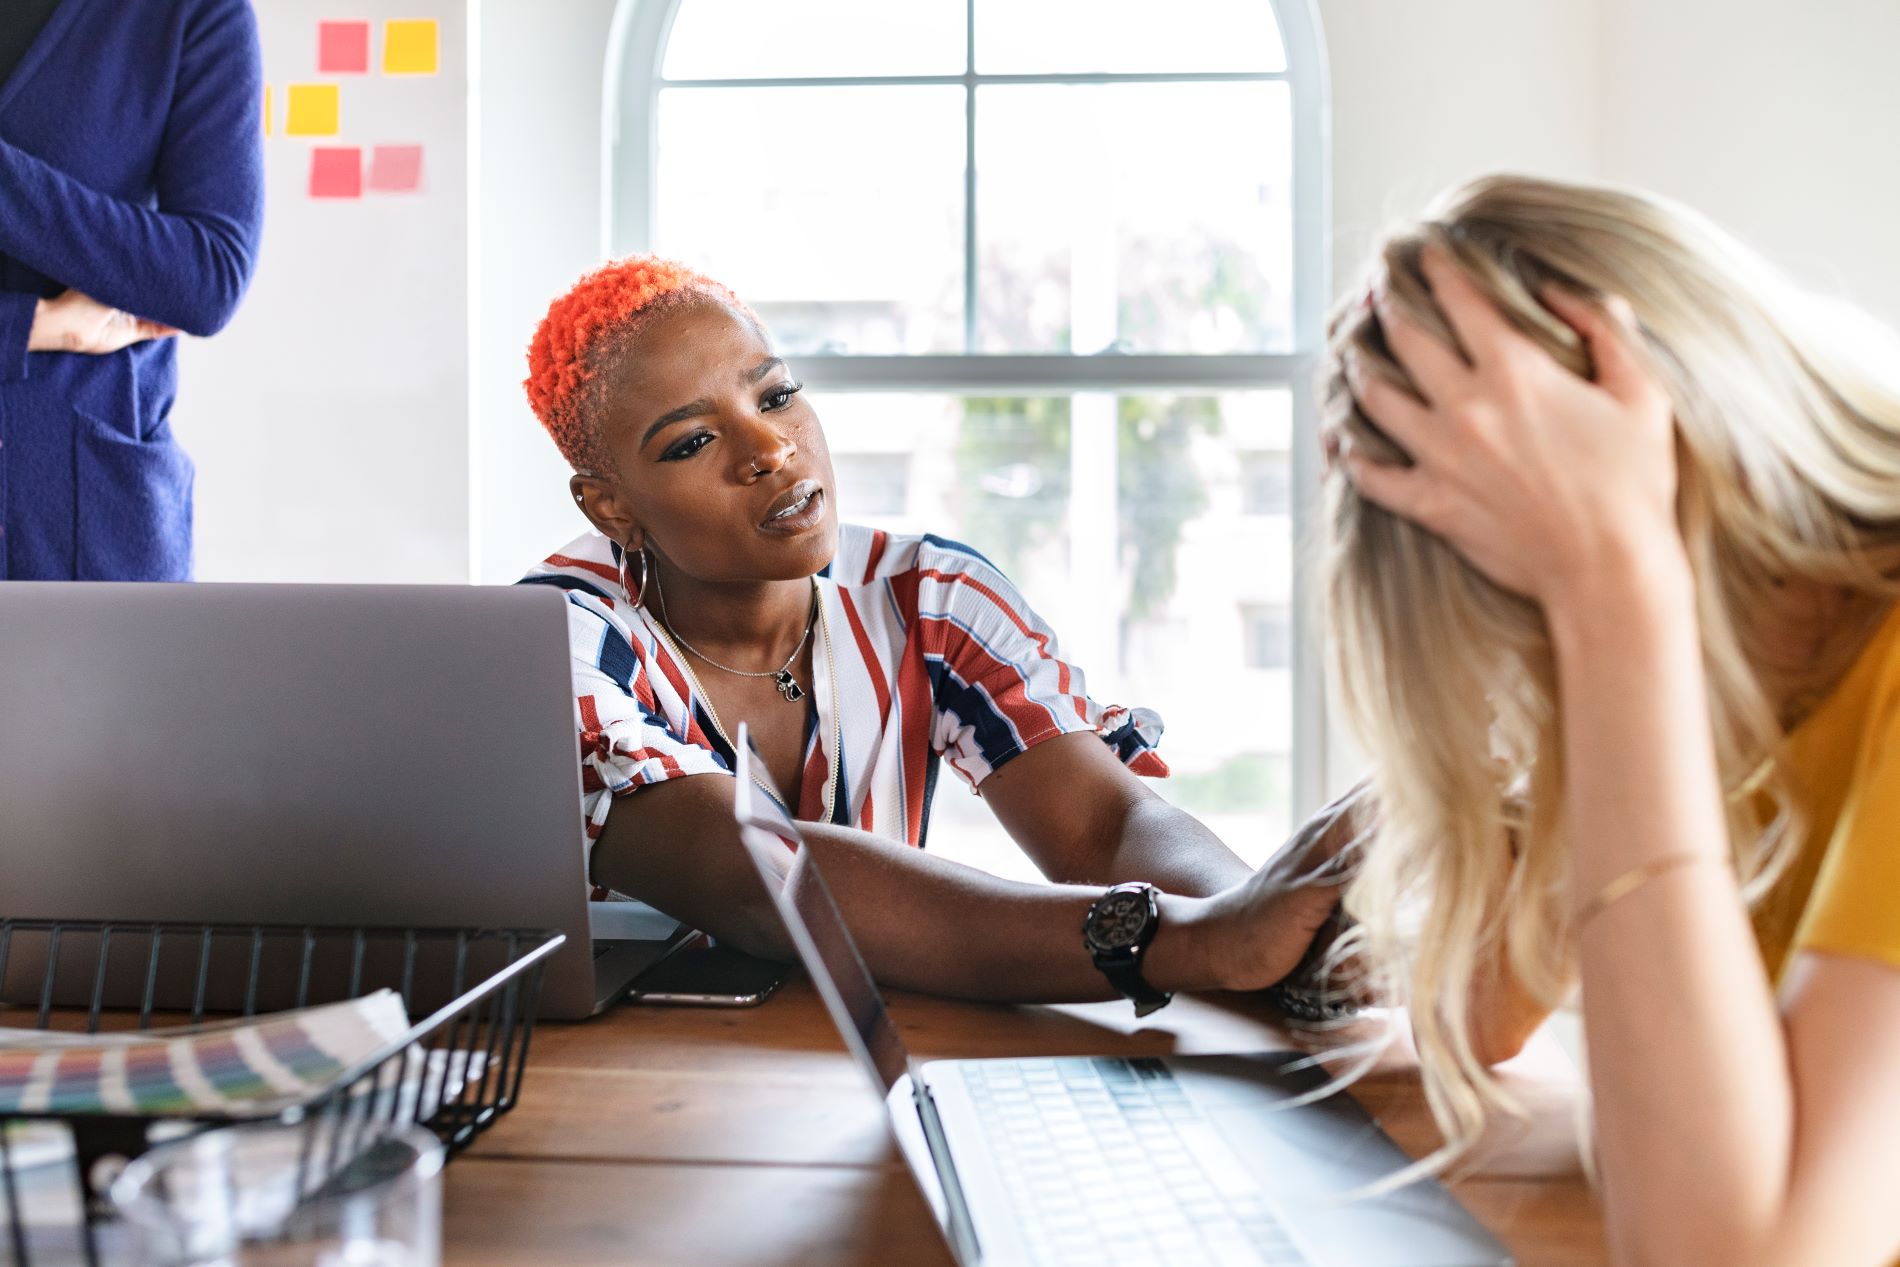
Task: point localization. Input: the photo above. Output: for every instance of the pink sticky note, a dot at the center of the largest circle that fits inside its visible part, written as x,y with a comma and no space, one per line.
336,171
342,48
395,169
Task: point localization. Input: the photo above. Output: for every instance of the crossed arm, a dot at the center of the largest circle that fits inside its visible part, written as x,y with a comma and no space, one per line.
182,264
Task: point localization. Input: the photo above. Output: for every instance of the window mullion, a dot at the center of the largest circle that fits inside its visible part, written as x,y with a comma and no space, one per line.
969,175
969,217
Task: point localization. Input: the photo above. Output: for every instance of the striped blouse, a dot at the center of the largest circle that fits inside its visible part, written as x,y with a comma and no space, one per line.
937,659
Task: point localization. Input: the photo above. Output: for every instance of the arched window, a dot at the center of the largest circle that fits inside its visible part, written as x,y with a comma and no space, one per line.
1054,272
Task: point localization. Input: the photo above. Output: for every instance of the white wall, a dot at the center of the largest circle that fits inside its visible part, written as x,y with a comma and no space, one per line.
1772,118
540,195
1428,94
329,421
1776,119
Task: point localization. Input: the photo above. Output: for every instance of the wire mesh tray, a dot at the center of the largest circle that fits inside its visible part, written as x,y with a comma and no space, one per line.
470,995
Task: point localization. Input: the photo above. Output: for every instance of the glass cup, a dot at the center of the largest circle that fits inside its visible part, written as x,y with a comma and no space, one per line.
244,1197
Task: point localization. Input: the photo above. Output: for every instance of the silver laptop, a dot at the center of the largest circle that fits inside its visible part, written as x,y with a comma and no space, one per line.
304,754
1189,1160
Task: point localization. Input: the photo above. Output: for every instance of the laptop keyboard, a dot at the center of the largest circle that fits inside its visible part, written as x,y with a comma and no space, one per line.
1108,1161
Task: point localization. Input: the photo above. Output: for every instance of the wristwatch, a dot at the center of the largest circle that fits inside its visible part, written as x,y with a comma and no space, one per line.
1116,934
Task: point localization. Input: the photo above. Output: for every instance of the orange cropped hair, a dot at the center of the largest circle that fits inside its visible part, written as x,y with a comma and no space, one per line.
575,342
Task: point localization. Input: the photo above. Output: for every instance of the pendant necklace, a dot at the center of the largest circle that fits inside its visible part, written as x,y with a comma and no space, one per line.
781,677
835,752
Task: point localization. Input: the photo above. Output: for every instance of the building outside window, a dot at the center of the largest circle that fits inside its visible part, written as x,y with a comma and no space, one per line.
1266,483
1266,636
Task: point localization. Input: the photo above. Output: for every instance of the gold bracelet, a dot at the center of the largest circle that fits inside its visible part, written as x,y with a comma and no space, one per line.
1633,879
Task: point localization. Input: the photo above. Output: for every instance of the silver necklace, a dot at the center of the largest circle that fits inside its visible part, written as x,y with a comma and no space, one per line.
781,677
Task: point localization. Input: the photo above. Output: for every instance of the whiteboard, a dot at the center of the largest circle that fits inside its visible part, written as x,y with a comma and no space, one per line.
330,420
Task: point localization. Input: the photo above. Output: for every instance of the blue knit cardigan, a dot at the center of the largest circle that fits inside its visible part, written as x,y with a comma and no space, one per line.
131,168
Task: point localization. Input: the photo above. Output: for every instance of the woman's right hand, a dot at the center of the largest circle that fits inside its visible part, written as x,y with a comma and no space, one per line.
73,322
1255,934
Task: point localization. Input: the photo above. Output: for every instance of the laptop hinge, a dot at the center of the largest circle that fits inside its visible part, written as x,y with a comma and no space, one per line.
963,1242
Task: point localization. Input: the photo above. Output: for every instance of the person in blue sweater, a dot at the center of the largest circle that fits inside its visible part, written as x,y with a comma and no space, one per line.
131,203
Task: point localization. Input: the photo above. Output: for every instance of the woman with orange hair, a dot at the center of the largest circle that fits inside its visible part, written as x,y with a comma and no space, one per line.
718,586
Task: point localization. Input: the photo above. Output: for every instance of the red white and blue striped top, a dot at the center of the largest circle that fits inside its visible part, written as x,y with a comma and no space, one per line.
938,658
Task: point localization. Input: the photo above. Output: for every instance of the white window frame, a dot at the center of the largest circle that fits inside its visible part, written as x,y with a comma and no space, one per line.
636,53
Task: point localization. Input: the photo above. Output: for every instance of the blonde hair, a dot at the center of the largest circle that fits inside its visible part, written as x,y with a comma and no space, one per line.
1789,466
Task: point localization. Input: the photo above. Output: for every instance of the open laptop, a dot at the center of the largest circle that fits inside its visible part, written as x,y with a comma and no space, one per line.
304,754
1190,1160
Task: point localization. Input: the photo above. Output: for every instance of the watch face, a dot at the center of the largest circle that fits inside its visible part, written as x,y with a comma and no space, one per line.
1119,922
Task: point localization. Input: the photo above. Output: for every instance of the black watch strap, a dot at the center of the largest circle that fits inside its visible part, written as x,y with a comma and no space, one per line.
1125,975
1120,926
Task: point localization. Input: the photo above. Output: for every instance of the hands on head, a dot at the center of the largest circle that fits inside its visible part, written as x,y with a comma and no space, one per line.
73,322
1536,475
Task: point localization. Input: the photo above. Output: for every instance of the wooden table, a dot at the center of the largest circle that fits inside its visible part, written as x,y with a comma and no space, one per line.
705,1137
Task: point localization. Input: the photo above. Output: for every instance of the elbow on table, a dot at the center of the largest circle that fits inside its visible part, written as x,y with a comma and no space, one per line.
759,934
1504,1017
1494,1047
748,924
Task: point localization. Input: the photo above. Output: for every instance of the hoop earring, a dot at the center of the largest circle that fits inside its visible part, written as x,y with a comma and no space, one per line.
638,593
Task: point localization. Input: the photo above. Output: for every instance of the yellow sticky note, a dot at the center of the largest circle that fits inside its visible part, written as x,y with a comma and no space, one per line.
266,109
314,110
409,47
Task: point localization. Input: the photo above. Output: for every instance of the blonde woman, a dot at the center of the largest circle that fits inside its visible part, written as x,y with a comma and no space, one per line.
1613,540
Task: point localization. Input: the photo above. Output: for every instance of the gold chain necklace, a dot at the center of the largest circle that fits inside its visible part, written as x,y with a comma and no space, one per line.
781,677
837,725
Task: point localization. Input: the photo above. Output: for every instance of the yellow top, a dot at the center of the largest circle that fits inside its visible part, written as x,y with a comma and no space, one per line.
1842,892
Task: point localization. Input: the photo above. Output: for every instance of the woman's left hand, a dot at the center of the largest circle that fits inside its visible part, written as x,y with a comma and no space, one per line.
1542,479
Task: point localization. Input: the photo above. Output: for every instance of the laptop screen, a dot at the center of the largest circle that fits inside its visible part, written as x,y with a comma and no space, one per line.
816,926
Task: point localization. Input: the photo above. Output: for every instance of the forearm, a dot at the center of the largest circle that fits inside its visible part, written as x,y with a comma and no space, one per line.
1168,847
1688,1065
926,923
1085,819
922,922
187,271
